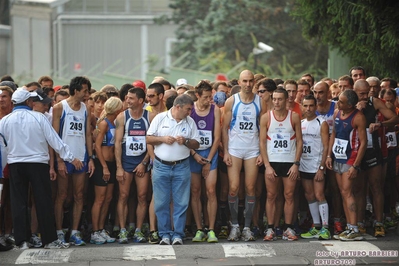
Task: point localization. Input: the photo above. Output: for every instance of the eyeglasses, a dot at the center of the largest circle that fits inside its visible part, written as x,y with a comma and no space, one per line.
262,91
151,95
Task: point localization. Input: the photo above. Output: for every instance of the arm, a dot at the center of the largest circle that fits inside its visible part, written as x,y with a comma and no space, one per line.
324,140
225,129
293,173
89,145
331,143
119,131
101,131
57,112
391,118
269,173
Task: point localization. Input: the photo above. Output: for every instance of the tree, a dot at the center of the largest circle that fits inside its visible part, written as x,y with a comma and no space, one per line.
229,30
366,31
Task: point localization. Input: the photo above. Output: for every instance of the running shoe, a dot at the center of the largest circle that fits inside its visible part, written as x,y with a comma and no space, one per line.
338,228
247,235
289,235
76,240
24,245
104,233
145,228
212,237
351,236
10,239
362,228
188,235
61,237
130,232
165,241
390,224
139,237
313,233
57,244
344,233
235,234
177,241
123,237
324,234
224,232
379,230
36,241
279,232
96,238
255,231
153,238
199,236
270,235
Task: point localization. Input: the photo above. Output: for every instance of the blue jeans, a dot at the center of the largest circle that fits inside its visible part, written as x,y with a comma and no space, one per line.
171,183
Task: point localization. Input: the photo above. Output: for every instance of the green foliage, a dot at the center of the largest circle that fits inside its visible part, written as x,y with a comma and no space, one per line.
220,34
366,31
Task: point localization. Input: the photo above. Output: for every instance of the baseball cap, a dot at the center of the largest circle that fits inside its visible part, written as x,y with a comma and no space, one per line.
219,98
180,82
42,97
9,84
21,95
57,88
139,84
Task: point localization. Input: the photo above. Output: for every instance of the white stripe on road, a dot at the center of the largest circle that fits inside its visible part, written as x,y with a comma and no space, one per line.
248,250
158,252
40,256
338,246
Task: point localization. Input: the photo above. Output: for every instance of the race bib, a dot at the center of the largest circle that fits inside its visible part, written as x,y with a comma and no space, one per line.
281,143
339,148
247,125
135,145
391,139
307,150
205,140
74,125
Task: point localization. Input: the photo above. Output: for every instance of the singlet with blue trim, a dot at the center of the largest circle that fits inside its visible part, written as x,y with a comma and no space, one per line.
328,117
346,142
73,129
109,137
244,126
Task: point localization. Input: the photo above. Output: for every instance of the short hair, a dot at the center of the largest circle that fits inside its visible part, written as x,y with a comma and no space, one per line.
47,90
76,84
45,78
303,82
139,92
182,100
292,82
327,79
278,81
163,82
170,100
392,83
308,75
310,97
33,83
192,95
351,95
347,78
235,89
124,90
158,87
216,85
258,77
61,93
375,79
389,91
357,68
7,78
100,96
203,86
232,83
281,90
110,90
7,89
269,84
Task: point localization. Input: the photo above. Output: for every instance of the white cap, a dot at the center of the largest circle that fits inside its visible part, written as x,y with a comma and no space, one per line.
21,95
180,82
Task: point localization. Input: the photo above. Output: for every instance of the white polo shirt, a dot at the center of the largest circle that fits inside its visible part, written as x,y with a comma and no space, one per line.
164,124
28,134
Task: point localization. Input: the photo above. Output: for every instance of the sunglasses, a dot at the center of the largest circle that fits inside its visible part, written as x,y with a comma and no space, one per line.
151,95
261,91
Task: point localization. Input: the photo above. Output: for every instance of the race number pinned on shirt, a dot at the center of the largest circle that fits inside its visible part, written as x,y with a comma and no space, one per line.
205,139
339,148
75,125
281,143
135,145
391,139
307,150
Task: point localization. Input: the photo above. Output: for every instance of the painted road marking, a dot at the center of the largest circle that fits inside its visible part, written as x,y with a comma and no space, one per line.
158,252
248,250
41,256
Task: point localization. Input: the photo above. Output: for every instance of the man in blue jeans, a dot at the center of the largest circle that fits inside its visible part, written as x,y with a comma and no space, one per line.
173,134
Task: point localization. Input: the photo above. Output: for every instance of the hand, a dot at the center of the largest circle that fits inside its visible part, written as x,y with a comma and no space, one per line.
91,167
120,175
77,164
140,170
53,174
374,126
106,174
227,159
352,173
259,160
180,140
169,140
293,173
199,159
270,173
205,170
361,105
62,171
329,163
319,176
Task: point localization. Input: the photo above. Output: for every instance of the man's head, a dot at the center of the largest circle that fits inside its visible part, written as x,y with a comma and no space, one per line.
182,89
139,84
182,105
168,94
388,83
166,84
347,101
291,87
135,98
375,86
5,97
221,86
389,95
99,98
357,72
303,89
124,90
9,84
309,78
79,86
42,102
320,92
309,106
60,95
203,91
46,81
246,81
280,97
345,83
110,90
335,91
155,94
23,97
362,89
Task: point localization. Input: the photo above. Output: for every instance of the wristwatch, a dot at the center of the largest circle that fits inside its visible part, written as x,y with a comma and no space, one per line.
321,167
186,141
93,157
144,163
297,163
356,167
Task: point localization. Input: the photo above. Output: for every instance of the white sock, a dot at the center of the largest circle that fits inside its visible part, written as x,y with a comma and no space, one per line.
314,211
323,210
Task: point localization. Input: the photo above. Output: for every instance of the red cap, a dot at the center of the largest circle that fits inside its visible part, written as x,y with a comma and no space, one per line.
139,84
57,88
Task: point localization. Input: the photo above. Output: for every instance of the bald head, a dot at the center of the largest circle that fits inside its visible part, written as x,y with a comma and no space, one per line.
246,81
169,93
321,85
361,84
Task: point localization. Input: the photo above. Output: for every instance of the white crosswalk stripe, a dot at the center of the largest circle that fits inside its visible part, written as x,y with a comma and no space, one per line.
146,252
248,250
43,256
